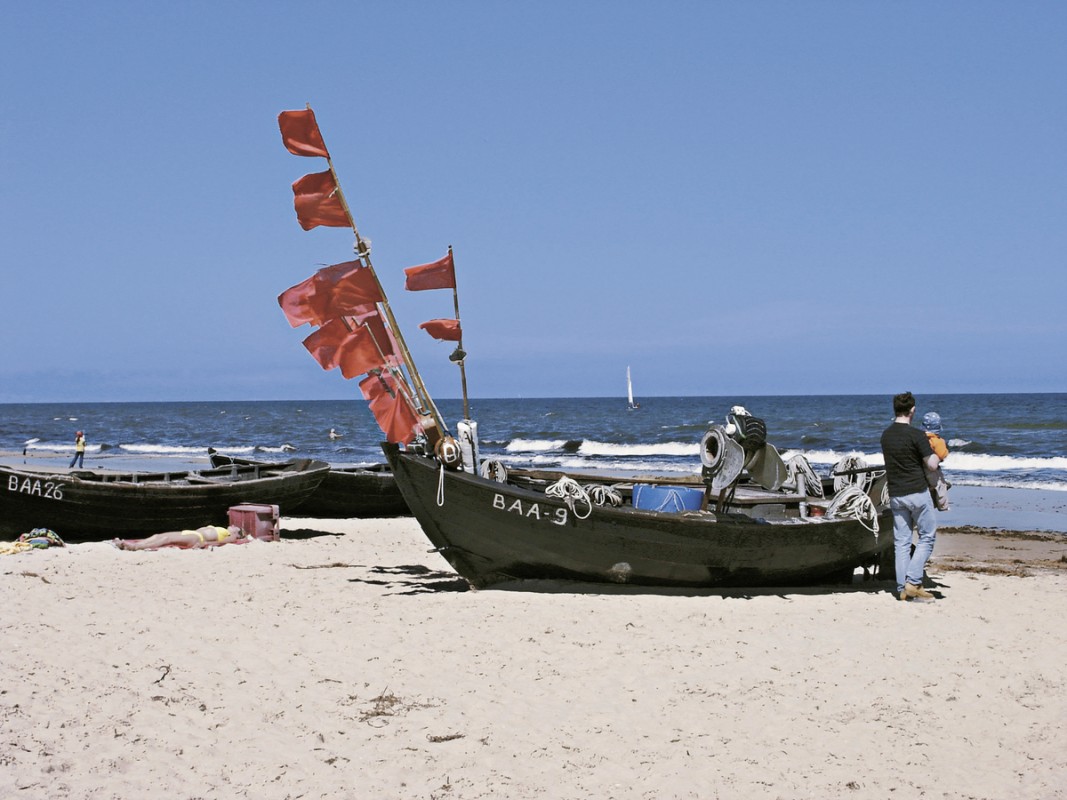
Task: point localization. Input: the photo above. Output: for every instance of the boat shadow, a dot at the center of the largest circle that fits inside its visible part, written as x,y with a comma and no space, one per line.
420,579
414,579
726,593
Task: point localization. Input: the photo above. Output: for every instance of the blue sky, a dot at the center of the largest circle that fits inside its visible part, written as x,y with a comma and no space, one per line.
749,197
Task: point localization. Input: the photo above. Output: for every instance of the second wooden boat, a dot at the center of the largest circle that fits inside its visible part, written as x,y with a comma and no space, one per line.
85,505
345,492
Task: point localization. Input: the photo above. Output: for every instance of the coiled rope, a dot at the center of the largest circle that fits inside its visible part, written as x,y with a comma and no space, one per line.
851,502
570,491
860,479
797,468
494,471
604,495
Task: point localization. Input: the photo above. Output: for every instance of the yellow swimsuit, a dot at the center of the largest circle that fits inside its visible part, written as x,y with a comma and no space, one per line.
221,534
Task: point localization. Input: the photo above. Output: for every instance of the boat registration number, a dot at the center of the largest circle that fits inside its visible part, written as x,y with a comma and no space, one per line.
557,516
36,487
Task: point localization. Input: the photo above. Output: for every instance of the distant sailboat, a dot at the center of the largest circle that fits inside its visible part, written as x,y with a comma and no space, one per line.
630,404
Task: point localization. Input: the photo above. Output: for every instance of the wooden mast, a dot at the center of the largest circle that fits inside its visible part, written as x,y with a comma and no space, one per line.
459,355
363,253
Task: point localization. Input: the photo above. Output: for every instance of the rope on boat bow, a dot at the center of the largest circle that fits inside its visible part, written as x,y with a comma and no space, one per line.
603,495
570,491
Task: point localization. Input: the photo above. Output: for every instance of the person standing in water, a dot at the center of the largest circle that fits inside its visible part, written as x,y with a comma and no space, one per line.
79,451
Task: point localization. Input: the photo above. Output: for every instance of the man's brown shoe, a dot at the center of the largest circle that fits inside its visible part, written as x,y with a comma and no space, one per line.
904,596
913,592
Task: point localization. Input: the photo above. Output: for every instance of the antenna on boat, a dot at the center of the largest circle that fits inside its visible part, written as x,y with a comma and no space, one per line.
459,355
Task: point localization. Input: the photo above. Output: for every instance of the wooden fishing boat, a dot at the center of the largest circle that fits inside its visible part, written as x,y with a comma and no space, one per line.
492,527
493,532
345,492
83,505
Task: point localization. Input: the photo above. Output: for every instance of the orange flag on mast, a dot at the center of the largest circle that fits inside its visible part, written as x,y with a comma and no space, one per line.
439,274
391,408
317,202
446,330
345,289
300,133
334,345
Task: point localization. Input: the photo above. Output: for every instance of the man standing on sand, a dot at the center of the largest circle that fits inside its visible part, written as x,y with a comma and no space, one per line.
908,457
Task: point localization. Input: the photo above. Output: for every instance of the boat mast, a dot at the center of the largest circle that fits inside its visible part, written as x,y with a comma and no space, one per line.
459,355
362,251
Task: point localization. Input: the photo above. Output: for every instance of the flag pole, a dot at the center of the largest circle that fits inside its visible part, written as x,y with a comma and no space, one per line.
459,355
363,252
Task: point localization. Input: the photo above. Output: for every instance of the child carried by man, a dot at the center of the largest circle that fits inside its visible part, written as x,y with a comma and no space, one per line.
938,485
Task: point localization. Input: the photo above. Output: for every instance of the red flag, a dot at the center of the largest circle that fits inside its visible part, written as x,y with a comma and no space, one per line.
300,133
334,345
299,303
382,337
347,286
374,386
447,330
391,408
317,202
359,355
436,275
325,342
345,289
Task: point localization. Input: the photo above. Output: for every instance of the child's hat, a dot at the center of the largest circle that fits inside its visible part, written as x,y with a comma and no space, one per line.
932,422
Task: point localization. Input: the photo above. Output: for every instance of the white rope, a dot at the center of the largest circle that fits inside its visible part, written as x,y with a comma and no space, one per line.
494,471
860,479
441,487
797,469
570,491
852,502
604,495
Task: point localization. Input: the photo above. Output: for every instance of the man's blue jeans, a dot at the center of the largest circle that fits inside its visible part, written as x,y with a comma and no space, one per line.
909,512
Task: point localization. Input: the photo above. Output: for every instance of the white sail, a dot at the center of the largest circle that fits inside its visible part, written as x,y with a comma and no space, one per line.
629,390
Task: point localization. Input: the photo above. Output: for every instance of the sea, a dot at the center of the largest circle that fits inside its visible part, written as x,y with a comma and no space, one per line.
995,440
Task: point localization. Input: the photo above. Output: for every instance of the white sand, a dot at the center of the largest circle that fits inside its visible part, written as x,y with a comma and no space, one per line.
351,666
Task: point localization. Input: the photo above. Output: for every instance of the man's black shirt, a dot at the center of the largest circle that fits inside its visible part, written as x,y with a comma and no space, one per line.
905,449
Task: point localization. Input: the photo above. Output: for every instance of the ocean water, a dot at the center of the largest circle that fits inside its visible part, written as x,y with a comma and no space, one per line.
995,440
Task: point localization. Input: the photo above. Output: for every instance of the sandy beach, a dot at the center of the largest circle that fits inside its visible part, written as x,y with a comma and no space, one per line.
348,661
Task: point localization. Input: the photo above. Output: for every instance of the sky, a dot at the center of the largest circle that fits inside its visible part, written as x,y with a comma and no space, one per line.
774,198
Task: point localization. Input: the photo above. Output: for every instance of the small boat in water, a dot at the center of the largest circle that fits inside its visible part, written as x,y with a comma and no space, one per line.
345,493
630,404
85,505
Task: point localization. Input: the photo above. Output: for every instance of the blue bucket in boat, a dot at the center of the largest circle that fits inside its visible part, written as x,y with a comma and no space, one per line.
649,497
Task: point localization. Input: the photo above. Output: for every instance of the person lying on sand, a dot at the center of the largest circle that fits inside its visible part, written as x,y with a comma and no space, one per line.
207,536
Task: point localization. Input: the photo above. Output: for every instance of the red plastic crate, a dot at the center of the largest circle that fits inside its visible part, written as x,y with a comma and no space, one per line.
260,521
